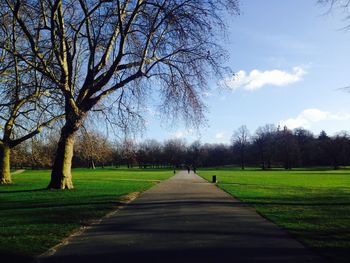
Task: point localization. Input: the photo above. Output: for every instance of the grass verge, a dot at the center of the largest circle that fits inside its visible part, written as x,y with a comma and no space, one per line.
314,206
33,219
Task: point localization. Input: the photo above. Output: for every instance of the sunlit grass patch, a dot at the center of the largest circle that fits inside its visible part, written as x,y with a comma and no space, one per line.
313,205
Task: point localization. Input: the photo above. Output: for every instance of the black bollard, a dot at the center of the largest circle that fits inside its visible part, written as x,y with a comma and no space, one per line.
214,179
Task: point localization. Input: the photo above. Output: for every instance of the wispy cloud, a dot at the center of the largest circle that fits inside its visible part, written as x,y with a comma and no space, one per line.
182,133
152,112
308,117
257,79
287,42
281,41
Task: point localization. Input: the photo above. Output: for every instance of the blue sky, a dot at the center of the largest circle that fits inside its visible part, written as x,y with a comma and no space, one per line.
291,61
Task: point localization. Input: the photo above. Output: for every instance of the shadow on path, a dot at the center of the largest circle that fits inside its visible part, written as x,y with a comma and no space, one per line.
184,219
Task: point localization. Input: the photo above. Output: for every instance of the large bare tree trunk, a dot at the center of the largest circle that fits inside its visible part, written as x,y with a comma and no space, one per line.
5,175
61,176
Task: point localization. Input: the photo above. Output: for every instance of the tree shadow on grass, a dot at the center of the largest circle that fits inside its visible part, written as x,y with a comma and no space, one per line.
24,191
43,205
12,258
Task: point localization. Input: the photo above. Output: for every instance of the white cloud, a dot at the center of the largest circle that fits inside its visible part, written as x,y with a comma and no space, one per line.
308,117
257,79
179,134
182,133
220,135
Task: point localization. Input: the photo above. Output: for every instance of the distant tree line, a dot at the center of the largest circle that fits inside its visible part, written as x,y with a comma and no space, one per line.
273,146
268,147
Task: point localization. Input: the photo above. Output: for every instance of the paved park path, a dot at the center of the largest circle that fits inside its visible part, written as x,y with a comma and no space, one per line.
184,219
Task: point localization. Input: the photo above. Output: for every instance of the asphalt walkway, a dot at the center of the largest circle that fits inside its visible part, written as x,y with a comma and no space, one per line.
184,219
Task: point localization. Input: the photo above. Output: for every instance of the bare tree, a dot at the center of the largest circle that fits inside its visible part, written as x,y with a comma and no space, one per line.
240,141
41,151
265,141
149,153
306,144
194,154
93,148
27,104
128,152
341,4
287,150
97,49
175,152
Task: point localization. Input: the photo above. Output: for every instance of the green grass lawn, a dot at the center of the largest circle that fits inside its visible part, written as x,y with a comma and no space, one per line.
33,219
312,205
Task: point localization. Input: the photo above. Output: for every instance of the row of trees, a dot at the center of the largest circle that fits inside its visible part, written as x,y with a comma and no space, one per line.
94,149
64,60
269,147
275,146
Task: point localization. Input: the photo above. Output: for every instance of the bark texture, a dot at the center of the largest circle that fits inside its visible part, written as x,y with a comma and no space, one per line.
61,176
5,174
